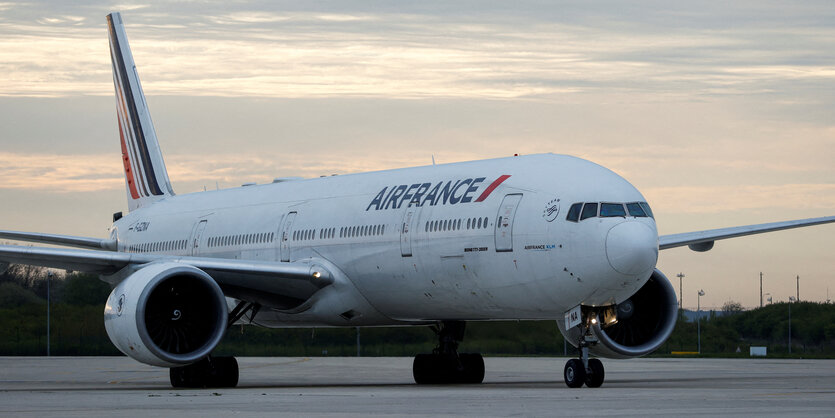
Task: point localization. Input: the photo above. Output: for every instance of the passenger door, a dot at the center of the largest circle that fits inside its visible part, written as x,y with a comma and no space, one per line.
284,245
504,222
406,232
195,236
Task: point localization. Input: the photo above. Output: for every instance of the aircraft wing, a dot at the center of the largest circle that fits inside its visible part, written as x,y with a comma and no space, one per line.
703,240
66,240
284,284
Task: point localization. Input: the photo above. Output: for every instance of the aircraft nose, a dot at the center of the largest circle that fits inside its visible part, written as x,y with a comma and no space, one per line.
632,247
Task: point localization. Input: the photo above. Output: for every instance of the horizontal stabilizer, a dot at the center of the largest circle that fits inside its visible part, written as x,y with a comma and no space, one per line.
64,240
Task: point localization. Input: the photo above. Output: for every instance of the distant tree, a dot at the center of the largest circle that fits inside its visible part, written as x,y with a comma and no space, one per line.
13,295
24,275
732,307
84,289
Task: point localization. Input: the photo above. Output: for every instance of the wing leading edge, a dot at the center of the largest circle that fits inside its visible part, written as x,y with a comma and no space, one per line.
703,240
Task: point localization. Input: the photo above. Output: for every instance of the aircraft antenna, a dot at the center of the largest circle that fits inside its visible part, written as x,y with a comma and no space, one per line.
433,159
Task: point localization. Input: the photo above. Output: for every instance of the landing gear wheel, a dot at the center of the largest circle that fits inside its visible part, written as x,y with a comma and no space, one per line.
473,368
425,369
445,365
595,378
429,369
211,372
574,373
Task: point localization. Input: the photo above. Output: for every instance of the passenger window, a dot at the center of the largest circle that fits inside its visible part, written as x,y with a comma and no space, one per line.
574,212
589,211
612,210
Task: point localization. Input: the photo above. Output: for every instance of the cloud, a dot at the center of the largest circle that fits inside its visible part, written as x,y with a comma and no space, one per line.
357,53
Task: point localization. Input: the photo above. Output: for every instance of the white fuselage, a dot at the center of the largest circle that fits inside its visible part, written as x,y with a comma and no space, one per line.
416,248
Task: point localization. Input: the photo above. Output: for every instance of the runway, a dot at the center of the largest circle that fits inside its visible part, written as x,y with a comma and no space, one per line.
327,386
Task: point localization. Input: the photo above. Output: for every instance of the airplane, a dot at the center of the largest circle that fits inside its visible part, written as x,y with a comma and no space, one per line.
534,237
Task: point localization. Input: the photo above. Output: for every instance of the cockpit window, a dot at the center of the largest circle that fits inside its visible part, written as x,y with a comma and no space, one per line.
574,212
611,210
589,211
636,210
646,208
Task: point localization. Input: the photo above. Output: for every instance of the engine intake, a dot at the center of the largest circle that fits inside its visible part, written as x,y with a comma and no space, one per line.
166,314
644,321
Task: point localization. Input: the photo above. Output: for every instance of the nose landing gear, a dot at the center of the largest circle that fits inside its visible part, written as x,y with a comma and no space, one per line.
584,370
445,365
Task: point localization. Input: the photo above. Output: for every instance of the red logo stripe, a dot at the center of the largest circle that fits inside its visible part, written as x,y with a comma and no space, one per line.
492,187
126,161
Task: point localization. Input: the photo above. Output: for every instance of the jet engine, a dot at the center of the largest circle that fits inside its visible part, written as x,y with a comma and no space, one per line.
166,314
636,326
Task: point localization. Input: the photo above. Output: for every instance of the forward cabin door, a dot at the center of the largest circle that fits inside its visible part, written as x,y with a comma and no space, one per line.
195,236
504,222
286,228
406,232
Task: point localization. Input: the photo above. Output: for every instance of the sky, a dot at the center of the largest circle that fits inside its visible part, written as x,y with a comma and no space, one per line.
720,113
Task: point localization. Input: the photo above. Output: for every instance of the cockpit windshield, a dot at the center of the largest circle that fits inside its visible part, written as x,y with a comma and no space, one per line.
584,210
611,210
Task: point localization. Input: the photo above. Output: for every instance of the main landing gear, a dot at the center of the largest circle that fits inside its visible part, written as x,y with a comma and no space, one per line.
445,365
584,370
213,372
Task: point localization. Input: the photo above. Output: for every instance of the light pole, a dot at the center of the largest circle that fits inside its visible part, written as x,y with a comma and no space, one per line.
761,289
791,300
699,319
680,294
48,302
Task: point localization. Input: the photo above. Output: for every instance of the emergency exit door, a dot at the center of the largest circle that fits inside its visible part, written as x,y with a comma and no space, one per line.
504,222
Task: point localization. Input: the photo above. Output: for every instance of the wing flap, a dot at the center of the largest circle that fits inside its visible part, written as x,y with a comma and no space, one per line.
694,239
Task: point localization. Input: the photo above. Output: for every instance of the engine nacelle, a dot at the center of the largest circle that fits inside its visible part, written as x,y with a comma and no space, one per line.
644,321
166,314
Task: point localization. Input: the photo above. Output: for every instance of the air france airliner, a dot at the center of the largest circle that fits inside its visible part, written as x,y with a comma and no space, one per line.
536,237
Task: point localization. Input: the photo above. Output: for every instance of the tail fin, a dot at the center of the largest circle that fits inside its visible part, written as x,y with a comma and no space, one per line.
145,175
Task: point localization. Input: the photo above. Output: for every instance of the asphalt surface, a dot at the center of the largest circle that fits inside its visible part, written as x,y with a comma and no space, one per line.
328,386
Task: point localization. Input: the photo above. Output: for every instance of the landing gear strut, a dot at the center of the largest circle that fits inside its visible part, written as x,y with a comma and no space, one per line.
445,365
584,370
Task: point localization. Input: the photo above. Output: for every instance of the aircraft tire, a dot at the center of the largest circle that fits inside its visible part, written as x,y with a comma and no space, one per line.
217,372
425,369
574,373
473,364
595,378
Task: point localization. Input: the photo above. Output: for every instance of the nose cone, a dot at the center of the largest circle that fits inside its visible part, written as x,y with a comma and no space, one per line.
632,247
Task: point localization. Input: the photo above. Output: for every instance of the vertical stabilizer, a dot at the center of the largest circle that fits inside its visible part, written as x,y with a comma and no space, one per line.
145,175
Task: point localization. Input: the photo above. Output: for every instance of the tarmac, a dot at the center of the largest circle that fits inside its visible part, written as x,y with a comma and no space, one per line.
352,386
